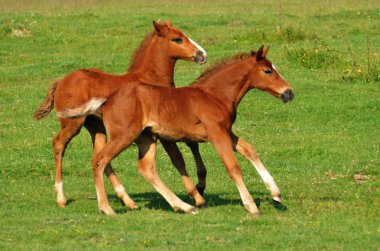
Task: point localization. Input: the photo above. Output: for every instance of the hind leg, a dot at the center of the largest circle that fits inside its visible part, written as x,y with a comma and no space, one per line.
99,138
201,168
147,168
69,128
179,163
99,162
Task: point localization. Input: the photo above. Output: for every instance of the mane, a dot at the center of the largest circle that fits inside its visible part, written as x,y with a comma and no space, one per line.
138,53
223,64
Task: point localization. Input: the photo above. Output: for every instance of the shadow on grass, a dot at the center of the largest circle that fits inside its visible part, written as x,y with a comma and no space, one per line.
153,200
279,206
69,201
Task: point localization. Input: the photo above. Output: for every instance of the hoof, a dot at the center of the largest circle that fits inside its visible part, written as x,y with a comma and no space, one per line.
201,190
202,205
128,202
254,215
131,206
192,211
61,204
107,211
277,198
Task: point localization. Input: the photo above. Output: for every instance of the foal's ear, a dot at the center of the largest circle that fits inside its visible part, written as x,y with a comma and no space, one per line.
168,23
160,29
259,53
265,52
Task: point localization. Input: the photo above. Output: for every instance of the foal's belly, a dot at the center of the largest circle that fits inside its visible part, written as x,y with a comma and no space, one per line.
180,133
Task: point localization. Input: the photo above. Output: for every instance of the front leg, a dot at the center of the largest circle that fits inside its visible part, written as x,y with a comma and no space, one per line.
222,142
99,138
248,152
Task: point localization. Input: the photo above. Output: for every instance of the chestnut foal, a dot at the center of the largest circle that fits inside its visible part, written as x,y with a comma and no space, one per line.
203,111
153,62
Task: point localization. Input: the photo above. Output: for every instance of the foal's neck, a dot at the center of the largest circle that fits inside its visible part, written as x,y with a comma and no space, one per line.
228,85
154,66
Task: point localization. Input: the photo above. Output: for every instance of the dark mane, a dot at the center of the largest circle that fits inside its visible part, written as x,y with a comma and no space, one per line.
222,64
137,55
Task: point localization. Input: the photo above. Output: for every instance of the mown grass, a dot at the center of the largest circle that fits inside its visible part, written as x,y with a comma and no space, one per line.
314,146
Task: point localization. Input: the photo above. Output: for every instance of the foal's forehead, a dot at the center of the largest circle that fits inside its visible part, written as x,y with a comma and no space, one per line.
176,31
266,63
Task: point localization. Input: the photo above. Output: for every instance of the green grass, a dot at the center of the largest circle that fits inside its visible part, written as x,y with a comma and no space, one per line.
329,51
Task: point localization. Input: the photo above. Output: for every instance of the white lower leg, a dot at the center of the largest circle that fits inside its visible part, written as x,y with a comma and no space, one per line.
267,179
61,198
104,207
122,194
246,198
175,202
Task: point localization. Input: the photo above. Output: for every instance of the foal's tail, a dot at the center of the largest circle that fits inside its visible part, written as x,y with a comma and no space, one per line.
90,107
46,106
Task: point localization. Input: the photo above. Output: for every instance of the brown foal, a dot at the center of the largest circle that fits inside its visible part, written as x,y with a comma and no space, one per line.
203,111
153,62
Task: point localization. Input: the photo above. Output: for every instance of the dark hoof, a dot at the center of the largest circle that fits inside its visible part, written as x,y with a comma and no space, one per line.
203,205
201,190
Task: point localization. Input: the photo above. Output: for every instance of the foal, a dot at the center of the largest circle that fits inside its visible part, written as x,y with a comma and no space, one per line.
153,62
203,111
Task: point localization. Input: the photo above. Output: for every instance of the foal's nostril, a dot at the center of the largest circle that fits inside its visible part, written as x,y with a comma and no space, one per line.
287,95
200,57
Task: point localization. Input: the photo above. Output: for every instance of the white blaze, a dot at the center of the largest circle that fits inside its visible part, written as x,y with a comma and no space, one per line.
274,67
198,46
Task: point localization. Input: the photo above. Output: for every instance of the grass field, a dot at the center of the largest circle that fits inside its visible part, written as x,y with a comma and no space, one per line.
323,148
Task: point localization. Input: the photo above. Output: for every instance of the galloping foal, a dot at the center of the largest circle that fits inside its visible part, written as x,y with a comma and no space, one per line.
203,111
153,62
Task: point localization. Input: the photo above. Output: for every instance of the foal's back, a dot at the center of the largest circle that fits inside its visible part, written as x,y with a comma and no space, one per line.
176,114
80,85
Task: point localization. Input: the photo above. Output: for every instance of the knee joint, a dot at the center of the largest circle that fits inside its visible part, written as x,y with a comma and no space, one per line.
235,172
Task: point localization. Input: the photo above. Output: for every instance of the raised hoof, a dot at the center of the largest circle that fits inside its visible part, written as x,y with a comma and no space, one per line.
277,198
201,190
61,204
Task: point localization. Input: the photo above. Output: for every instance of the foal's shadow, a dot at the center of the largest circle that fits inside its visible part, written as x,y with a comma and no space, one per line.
155,201
69,201
277,205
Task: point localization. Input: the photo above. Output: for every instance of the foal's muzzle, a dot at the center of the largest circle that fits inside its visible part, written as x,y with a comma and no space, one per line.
287,95
200,57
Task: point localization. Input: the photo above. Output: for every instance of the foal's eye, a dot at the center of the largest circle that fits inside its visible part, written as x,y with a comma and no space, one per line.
268,72
177,40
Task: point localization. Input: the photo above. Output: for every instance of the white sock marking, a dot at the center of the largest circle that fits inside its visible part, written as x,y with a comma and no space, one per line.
119,189
266,177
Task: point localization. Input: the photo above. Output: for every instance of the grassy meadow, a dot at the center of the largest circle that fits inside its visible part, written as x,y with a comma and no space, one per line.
323,149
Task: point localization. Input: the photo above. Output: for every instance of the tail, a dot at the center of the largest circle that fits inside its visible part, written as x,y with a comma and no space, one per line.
46,106
89,107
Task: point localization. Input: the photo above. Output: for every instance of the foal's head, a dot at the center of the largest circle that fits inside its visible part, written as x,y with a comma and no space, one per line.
264,76
177,44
